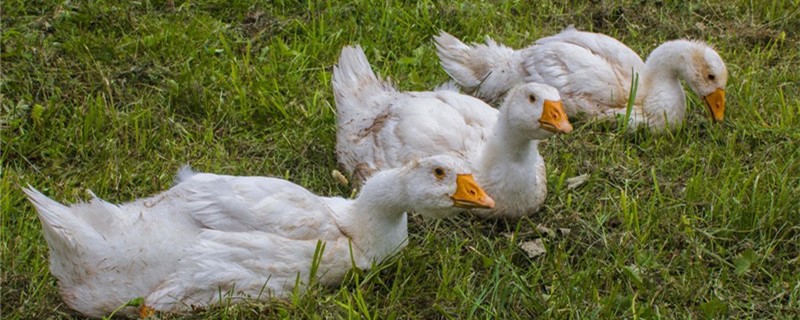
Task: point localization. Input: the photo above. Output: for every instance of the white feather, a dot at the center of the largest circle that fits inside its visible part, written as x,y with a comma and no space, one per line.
395,127
593,72
213,236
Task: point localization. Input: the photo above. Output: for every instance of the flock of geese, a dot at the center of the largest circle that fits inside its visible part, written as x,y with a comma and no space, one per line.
436,153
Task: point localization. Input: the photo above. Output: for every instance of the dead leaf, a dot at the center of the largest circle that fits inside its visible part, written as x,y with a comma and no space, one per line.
545,231
533,248
336,174
577,181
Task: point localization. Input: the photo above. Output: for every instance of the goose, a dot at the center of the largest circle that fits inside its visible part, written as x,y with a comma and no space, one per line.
379,127
213,236
594,73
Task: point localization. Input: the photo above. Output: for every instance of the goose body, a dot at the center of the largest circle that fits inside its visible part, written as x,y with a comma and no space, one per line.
594,74
213,236
379,127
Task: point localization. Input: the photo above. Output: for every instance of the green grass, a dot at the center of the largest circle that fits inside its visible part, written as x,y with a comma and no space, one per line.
701,223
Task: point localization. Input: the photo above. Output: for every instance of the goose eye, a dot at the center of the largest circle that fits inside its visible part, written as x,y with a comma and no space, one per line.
711,77
439,173
532,98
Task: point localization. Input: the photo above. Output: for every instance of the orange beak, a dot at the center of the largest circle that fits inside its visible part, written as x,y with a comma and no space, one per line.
554,119
469,194
715,102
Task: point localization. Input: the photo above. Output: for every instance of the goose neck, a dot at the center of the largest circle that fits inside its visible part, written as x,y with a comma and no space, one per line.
660,88
507,143
377,224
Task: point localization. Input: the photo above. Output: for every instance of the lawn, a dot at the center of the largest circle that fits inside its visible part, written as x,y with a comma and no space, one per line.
114,96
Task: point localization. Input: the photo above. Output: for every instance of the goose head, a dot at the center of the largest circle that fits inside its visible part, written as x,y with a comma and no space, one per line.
439,186
707,76
535,109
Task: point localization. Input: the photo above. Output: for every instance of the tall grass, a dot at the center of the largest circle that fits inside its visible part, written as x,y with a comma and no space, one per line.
703,222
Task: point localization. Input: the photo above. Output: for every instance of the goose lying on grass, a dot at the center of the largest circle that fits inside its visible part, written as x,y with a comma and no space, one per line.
379,127
213,236
594,73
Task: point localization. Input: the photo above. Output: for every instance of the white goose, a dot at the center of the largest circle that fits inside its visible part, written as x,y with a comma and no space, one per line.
593,73
215,235
380,128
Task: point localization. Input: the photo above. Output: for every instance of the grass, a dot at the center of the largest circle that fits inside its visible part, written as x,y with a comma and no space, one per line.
701,223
